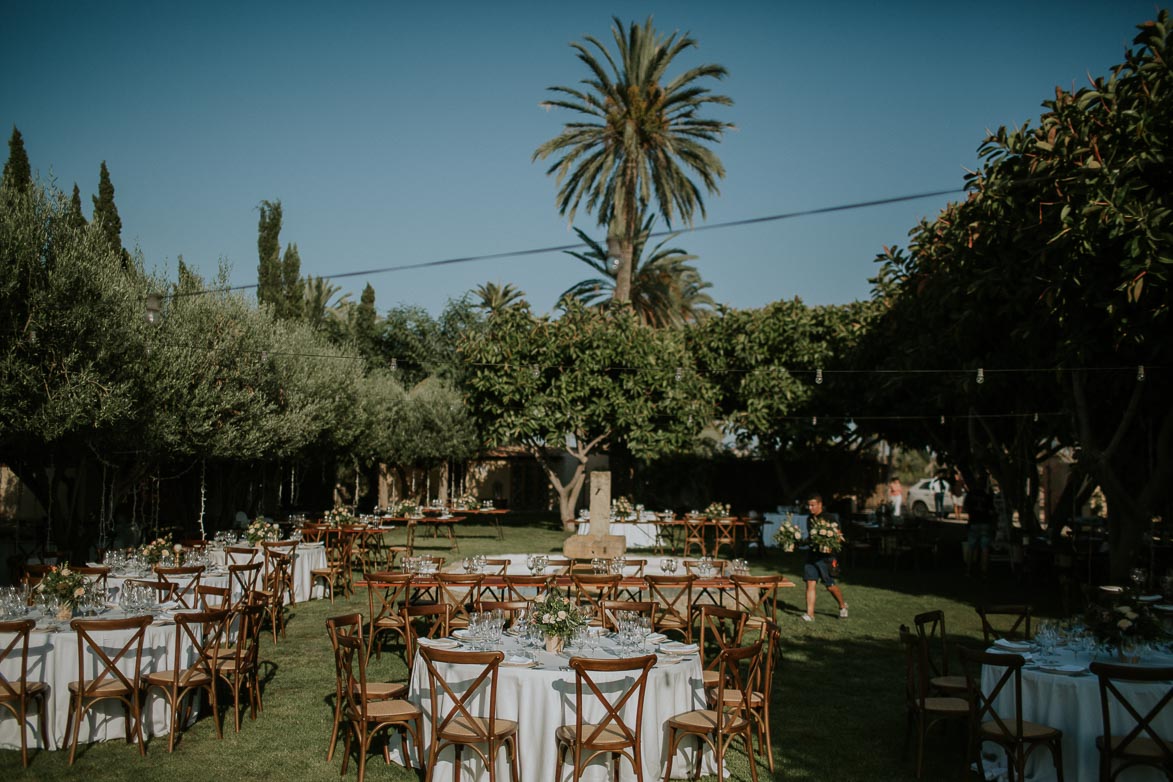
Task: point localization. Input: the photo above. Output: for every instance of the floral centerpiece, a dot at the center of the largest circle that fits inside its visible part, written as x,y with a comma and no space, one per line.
158,550
262,530
788,535
65,587
825,535
338,517
407,509
621,508
717,510
556,616
465,502
1123,625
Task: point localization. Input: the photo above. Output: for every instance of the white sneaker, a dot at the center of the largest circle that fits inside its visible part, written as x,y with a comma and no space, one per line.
807,618
843,612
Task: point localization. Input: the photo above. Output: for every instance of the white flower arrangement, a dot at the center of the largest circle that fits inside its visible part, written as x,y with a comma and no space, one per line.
261,530
621,508
556,615
788,535
338,517
717,510
157,550
825,535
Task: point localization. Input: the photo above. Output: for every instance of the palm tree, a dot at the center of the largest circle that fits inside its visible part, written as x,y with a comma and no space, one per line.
641,141
494,297
320,304
665,289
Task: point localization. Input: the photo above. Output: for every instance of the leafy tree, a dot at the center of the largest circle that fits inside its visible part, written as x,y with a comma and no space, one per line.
568,388
74,216
18,175
1056,267
292,296
106,213
422,346
323,308
269,280
641,141
365,321
665,289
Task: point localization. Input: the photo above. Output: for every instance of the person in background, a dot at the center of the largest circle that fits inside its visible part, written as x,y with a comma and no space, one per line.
896,496
957,491
979,509
818,566
939,486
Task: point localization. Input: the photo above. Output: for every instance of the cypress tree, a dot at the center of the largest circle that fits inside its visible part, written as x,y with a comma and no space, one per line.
105,210
74,216
269,254
18,176
364,321
291,288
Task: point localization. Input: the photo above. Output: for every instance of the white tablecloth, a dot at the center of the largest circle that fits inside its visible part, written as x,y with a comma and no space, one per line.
543,698
637,534
1072,704
53,660
774,521
308,557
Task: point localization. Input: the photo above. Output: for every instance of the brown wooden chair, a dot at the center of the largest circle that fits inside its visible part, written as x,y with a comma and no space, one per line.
694,535
1018,737
516,587
198,632
673,596
211,598
718,726
275,582
96,574
923,709
242,581
424,621
241,555
720,629
351,624
239,666
287,548
930,626
458,726
611,735
724,534
109,682
1010,622
18,694
368,714
386,595
393,553
610,609
758,707
460,591
757,596
186,581
509,607
164,590
1142,745
594,589
31,574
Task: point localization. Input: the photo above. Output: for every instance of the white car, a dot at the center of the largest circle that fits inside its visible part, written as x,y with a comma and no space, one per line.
919,500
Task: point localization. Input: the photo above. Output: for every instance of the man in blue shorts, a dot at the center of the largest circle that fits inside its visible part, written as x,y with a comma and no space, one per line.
818,567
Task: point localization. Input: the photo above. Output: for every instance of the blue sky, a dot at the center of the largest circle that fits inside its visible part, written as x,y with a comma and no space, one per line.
398,133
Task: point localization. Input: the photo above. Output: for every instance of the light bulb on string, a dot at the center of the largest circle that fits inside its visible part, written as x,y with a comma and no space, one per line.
1036,418
819,376
814,420
981,376
535,371
679,374
942,420
394,363
1140,373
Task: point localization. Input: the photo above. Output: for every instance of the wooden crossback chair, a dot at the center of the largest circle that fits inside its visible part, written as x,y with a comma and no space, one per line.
923,708
1142,745
719,725
611,735
241,555
1011,622
458,726
288,548
186,581
96,574
509,607
242,581
239,666
673,595
724,534
594,589
424,621
720,629
18,694
757,596
930,626
386,595
164,590
610,609
275,585
109,683
758,708
460,591
1018,737
694,535
210,598
517,586
200,632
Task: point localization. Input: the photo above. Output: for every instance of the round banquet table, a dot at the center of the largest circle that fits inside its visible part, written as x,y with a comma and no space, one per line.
1070,702
542,698
308,557
53,660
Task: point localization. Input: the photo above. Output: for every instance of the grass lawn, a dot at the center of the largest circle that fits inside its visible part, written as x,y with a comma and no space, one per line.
838,710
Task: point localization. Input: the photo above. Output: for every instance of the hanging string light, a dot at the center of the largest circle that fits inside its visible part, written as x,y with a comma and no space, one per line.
981,376
1140,373
819,376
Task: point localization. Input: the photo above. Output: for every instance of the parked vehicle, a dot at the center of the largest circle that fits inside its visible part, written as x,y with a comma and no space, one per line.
918,498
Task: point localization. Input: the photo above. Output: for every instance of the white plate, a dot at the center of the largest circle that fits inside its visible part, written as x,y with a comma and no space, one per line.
461,633
675,647
669,659
518,662
1149,598
1115,590
439,643
1014,646
1163,607
1064,670
656,638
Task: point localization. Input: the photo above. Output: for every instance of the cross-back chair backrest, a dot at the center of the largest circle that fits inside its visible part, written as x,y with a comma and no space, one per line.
509,607
1011,622
515,586
91,646
241,555
186,581
351,660
719,566
425,621
200,632
460,706
11,689
694,533
242,580
461,592
164,590
595,589
721,629
32,574
278,575
496,567
673,594
286,547
771,636
981,701
612,696
96,574
610,610
756,595
210,597
386,594
559,566
930,627
1142,740
738,671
